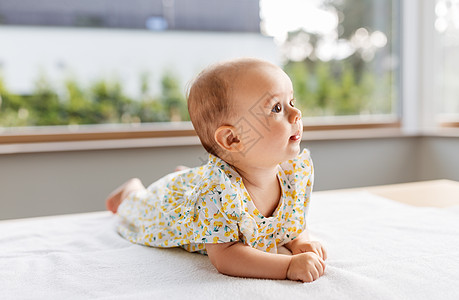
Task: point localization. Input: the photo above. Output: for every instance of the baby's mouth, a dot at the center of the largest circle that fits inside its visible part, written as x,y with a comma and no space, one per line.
296,136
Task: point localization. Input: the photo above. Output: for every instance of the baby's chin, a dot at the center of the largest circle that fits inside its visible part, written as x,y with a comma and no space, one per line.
293,154
296,153
296,150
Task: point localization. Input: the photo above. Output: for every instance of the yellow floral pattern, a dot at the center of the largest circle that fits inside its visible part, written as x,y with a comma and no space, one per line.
210,204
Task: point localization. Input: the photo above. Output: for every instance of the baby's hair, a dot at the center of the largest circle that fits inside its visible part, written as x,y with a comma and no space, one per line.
210,95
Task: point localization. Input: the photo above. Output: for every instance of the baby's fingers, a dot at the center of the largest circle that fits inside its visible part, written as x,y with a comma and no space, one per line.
308,277
324,253
312,275
315,271
320,251
320,265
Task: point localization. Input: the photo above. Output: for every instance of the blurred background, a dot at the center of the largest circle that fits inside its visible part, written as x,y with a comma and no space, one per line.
86,62
376,81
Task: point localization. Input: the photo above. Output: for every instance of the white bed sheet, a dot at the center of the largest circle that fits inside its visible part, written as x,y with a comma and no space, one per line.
378,249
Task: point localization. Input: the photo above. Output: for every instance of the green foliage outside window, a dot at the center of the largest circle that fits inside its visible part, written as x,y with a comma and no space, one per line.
321,89
334,89
102,102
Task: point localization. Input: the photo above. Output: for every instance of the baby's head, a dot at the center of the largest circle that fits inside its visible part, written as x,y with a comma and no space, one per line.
220,97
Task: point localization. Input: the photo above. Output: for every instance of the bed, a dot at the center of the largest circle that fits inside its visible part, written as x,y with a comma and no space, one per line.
378,249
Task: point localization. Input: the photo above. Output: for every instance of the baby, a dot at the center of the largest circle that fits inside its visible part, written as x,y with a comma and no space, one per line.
246,208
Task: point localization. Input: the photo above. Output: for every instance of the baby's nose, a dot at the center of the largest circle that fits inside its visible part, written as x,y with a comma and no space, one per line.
295,115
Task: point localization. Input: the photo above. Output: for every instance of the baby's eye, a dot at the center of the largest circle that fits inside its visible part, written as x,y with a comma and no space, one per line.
292,103
277,108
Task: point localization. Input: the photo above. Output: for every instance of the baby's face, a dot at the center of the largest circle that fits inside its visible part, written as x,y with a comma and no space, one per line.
267,121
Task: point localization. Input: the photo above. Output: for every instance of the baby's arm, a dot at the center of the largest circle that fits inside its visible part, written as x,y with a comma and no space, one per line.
237,259
303,244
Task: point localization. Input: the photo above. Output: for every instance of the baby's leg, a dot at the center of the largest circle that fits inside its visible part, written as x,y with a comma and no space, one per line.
117,196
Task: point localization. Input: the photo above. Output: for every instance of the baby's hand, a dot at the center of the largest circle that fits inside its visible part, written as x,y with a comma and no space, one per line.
302,246
305,267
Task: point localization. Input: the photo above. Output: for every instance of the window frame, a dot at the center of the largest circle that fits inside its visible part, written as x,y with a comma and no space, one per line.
152,131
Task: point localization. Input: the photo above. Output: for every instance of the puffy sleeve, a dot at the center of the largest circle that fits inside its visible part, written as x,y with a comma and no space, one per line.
217,209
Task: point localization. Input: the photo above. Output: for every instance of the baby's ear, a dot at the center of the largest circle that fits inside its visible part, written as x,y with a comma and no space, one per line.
227,138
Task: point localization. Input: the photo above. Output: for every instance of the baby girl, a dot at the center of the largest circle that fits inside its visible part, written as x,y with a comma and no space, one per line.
246,208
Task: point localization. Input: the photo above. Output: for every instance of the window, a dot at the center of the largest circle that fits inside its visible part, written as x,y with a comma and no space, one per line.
343,56
87,63
447,60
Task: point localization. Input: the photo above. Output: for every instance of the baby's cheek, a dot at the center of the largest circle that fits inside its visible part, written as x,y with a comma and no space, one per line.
280,132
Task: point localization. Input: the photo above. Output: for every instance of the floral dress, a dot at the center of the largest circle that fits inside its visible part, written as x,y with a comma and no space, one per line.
210,204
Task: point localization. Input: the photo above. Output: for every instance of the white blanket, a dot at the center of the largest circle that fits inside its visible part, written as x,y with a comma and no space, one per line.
378,249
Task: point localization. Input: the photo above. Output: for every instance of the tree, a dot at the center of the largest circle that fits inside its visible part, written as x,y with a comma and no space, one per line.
173,99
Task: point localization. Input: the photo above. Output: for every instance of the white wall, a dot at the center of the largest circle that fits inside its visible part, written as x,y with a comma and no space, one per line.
364,162
439,158
92,54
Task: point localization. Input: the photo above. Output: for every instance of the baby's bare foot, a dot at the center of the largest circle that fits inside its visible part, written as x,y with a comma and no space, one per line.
115,198
113,201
